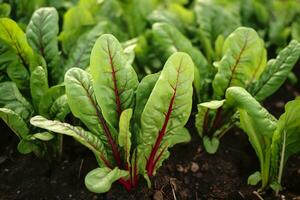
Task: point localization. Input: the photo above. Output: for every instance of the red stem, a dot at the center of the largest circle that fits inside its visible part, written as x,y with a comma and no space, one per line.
217,119
205,123
113,73
151,161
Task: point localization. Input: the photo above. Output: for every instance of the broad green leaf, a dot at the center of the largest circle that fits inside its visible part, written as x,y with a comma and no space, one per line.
48,100
16,50
254,178
83,104
214,104
80,54
38,84
5,9
258,124
243,61
168,40
25,146
13,35
162,15
286,139
114,78
277,71
265,123
75,24
41,34
100,180
135,15
168,107
213,20
60,108
143,92
44,136
211,145
200,119
181,135
12,99
124,137
84,137
14,122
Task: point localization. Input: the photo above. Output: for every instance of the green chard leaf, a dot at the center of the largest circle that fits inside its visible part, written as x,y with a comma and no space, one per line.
83,104
53,104
75,24
169,40
124,138
166,111
276,71
84,137
15,122
286,139
80,54
38,84
258,124
41,34
143,92
17,52
114,78
243,61
100,180
213,20
12,99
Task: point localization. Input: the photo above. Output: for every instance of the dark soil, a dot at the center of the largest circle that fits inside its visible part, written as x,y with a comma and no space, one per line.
189,173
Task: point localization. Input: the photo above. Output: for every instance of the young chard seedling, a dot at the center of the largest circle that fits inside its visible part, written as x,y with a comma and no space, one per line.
131,125
274,141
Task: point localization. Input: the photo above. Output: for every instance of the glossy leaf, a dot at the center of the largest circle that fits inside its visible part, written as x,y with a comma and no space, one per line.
142,94
168,40
100,180
114,78
124,138
162,118
38,84
277,71
14,122
41,34
84,137
48,107
12,99
80,55
244,59
17,50
83,104
286,139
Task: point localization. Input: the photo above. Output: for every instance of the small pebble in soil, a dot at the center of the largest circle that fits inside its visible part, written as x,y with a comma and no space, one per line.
182,169
204,167
158,195
194,167
199,175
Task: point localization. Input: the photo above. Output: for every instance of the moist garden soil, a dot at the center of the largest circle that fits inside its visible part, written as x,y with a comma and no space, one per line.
189,173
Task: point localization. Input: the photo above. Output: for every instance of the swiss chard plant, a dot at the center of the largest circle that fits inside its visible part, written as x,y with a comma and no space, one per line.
243,62
240,59
129,126
274,140
26,59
